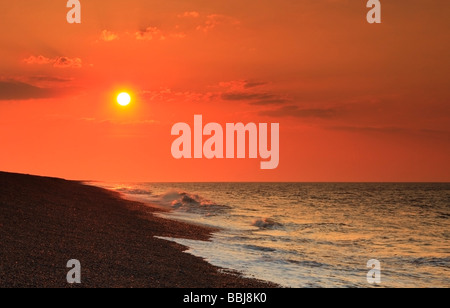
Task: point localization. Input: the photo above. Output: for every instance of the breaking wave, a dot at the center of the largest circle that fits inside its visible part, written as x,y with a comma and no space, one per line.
190,202
266,223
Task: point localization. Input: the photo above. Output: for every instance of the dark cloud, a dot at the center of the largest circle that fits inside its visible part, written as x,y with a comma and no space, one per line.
295,111
257,99
243,90
15,90
243,96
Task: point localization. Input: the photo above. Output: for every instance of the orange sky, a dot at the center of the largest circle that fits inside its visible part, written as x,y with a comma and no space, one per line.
355,102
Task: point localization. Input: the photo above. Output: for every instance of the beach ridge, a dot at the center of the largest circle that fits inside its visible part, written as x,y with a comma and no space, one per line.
45,222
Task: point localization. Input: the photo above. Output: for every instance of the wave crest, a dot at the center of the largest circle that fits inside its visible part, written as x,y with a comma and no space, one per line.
190,202
266,223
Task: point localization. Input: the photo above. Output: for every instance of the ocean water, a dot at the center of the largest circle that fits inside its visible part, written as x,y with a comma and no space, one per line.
314,235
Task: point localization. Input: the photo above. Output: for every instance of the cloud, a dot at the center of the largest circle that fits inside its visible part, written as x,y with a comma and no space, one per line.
230,91
192,21
243,96
244,90
154,33
16,90
209,22
58,62
43,78
235,85
45,81
367,129
37,60
241,85
150,33
191,14
108,36
214,20
257,99
65,62
392,130
167,95
297,112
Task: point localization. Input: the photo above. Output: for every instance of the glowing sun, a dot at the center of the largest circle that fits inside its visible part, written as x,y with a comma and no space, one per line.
124,99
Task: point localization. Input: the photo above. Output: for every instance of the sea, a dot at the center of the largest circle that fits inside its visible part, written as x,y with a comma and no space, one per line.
309,235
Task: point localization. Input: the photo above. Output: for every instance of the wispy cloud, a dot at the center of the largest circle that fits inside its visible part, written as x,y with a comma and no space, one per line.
252,92
258,99
208,22
389,130
186,24
65,62
254,84
298,112
58,62
108,36
243,96
156,34
150,33
241,85
168,95
191,14
43,78
37,60
368,129
214,20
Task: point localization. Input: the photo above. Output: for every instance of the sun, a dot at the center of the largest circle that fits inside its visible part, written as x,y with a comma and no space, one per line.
124,99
